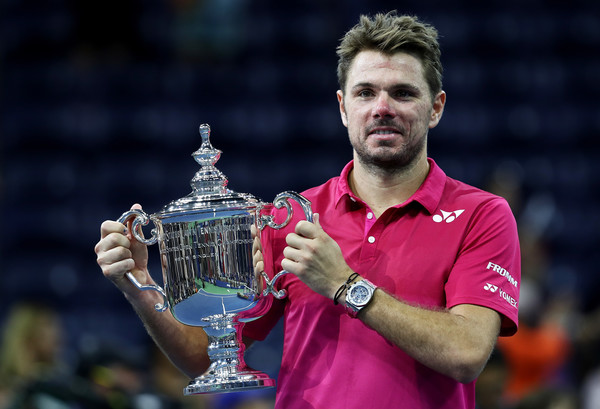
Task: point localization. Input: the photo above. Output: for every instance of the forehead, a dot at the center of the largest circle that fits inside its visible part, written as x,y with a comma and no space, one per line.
374,67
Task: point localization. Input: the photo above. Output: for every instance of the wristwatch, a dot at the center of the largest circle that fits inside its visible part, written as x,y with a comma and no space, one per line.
358,296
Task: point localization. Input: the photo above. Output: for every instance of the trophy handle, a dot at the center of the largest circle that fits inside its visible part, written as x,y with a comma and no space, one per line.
282,200
142,219
279,294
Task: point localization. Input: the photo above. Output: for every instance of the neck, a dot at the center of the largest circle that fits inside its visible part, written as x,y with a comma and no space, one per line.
383,188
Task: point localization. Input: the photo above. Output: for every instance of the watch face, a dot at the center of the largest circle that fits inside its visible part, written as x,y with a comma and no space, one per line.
360,295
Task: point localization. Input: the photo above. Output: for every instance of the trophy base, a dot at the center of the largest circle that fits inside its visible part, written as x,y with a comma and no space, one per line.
238,382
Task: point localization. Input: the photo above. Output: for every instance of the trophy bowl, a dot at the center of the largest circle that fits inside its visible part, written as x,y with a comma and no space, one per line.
205,243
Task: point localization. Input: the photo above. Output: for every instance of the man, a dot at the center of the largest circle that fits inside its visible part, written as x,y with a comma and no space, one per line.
405,279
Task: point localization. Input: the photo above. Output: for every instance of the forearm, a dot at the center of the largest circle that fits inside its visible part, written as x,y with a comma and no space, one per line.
454,342
184,345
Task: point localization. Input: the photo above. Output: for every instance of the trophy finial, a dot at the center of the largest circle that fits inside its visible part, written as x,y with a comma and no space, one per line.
205,133
208,178
206,155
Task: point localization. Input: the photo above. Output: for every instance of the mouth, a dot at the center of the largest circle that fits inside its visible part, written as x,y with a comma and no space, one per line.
383,131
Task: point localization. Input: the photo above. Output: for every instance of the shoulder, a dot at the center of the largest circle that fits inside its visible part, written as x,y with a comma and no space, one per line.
478,209
326,192
461,193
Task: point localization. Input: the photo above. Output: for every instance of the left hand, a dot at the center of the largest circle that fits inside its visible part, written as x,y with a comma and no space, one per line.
315,258
257,258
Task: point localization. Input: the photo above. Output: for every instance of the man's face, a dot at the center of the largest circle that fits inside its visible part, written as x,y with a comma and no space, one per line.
388,109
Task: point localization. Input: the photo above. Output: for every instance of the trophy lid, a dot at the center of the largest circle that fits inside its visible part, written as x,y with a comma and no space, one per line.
209,185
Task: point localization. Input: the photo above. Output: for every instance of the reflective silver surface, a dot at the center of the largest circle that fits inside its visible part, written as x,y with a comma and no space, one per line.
205,245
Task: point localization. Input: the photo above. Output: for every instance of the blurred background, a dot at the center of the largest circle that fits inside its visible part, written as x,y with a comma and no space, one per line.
100,104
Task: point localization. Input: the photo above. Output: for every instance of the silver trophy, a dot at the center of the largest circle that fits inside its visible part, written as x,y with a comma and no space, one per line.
205,245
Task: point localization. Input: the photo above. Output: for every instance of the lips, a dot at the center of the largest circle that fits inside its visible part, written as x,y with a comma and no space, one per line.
383,127
384,131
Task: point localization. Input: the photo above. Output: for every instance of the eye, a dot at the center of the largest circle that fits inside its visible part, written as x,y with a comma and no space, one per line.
404,94
365,93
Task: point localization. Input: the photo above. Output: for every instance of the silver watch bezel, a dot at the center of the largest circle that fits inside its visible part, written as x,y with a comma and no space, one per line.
353,306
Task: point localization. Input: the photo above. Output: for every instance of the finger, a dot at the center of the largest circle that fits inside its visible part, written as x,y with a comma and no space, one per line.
112,240
135,206
114,255
290,265
296,241
256,246
259,267
316,221
116,271
292,254
257,257
306,229
110,226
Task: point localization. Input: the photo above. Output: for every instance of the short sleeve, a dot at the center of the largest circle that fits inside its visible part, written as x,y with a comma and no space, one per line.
487,271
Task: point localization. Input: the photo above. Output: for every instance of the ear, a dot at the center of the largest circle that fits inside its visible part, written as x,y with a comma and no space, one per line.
340,97
438,109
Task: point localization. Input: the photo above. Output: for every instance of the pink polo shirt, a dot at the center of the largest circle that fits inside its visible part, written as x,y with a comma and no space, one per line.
449,244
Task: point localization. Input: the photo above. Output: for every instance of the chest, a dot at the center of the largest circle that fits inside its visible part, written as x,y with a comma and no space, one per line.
407,252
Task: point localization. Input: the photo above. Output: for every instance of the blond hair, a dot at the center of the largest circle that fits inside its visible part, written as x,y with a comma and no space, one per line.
26,351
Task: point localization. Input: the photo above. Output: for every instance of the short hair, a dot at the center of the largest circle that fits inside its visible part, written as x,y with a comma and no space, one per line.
390,33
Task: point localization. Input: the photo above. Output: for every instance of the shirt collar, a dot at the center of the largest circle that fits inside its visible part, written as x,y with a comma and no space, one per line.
428,194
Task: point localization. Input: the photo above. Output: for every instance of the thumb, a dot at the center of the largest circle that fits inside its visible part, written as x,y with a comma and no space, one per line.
316,220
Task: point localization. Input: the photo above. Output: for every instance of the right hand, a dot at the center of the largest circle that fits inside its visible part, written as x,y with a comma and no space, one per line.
118,252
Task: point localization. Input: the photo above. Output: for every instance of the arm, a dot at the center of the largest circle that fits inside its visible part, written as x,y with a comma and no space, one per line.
118,252
456,342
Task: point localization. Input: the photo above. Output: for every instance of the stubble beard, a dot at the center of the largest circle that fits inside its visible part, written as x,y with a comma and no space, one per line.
383,160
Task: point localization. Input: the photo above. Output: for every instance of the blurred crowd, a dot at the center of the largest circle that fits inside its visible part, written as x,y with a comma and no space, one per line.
34,373
553,362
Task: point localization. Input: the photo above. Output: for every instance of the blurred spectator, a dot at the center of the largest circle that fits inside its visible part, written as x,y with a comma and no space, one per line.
168,383
590,393
33,375
491,383
547,398
31,343
587,359
537,357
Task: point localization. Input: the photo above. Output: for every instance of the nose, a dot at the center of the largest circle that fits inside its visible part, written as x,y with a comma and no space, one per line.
383,108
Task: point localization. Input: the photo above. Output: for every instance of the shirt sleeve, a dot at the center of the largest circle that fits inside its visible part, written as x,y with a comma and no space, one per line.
487,271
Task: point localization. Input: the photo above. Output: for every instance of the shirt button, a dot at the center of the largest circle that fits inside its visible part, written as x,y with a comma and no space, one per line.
371,239
369,215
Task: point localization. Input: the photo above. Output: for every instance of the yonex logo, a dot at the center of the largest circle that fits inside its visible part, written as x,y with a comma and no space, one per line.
503,294
448,217
490,287
508,298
